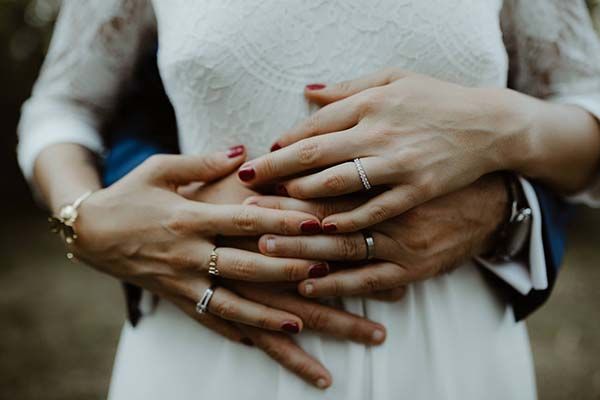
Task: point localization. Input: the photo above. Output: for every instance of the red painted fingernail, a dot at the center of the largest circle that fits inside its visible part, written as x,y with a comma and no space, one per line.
236,151
310,226
329,228
290,327
247,174
318,270
247,341
281,190
315,86
275,147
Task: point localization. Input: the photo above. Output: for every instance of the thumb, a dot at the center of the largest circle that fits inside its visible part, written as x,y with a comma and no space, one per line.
323,94
183,169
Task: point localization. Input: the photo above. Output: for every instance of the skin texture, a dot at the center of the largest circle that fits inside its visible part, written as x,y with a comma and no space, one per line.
156,230
421,138
142,230
422,243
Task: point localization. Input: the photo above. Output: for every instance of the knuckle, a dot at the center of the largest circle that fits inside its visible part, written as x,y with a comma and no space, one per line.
178,222
339,288
300,248
335,183
210,164
245,220
344,86
371,101
269,166
263,321
275,350
349,249
302,368
418,242
242,268
292,272
226,309
379,212
369,284
316,319
296,190
285,225
308,152
182,261
313,123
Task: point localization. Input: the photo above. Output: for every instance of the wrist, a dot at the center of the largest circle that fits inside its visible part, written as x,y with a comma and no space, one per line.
512,117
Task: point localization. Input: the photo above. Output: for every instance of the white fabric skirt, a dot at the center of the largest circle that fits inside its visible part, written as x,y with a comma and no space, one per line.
451,337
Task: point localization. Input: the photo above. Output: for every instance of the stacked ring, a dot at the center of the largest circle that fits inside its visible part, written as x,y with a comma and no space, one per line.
212,265
362,174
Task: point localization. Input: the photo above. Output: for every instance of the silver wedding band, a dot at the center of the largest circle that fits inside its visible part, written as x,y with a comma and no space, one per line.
213,269
370,242
202,305
362,174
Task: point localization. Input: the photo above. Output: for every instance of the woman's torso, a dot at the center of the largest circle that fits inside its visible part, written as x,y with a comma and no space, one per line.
235,73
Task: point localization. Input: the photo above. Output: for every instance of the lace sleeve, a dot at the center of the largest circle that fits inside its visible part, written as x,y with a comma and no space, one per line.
93,50
554,54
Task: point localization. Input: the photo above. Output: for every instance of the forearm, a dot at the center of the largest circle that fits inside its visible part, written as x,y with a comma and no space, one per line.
63,172
556,144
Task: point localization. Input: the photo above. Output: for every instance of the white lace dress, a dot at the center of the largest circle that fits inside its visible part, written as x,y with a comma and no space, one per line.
234,71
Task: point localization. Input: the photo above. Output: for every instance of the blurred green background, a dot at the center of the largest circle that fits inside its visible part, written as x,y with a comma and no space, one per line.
60,322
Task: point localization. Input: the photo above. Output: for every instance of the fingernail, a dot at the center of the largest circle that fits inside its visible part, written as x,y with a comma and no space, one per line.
290,327
318,270
281,190
270,245
321,383
378,336
275,147
236,151
308,288
315,86
246,173
329,228
310,226
247,342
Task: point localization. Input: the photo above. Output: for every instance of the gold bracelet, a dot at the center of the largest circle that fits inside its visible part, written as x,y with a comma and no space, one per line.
64,222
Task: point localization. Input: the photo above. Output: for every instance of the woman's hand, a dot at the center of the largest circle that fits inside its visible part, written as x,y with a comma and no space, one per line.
142,231
420,138
419,244
315,316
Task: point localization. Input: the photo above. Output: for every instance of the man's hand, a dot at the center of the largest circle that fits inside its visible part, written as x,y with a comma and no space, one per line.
315,316
419,244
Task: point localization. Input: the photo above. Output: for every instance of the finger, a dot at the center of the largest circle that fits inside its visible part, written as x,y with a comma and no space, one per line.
357,281
378,209
318,208
343,247
340,179
182,169
255,267
321,318
227,305
284,351
243,220
333,117
307,154
213,323
390,296
325,94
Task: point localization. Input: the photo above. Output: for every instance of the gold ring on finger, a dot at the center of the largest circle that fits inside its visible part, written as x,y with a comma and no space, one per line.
213,269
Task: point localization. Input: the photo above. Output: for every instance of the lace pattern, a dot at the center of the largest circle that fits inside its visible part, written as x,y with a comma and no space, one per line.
234,69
